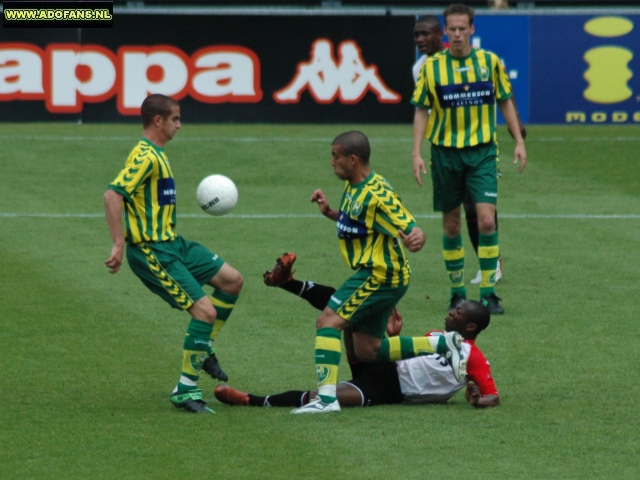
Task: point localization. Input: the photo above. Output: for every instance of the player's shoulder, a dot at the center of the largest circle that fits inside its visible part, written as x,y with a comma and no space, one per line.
481,52
378,185
143,151
476,355
420,61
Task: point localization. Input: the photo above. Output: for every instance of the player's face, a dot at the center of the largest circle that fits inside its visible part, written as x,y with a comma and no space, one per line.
459,30
171,124
456,321
428,38
342,164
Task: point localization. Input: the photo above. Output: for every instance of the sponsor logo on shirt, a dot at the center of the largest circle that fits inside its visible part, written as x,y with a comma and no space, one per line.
349,228
466,95
166,191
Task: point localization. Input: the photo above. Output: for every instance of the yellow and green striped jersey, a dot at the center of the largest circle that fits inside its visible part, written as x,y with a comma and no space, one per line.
461,93
149,191
368,222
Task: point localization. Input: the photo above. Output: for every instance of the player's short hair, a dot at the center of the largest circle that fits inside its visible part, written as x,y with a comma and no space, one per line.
478,314
354,143
459,9
430,20
156,104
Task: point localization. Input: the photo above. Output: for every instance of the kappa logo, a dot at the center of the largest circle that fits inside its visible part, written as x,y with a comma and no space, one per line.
326,79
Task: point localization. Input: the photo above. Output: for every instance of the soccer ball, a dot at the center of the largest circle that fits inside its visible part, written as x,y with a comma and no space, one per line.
217,195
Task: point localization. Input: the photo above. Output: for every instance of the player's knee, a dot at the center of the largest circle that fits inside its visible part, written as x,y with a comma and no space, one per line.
452,229
204,311
329,319
237,283
233,283
487,224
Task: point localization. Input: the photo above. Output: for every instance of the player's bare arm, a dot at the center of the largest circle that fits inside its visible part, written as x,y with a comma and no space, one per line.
113,205
323,204
395,323
521,127
474,397
420,119
511,118
415,240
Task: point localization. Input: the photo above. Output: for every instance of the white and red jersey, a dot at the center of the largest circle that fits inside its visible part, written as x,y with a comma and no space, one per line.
429,379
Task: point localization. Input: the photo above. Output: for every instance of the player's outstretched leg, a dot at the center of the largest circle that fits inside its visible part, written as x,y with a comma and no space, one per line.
282,276
231,396
281,273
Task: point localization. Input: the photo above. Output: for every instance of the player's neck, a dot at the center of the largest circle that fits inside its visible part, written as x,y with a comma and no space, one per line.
360,176
154,136
463,52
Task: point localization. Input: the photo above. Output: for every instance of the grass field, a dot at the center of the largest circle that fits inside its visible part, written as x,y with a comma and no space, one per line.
88,359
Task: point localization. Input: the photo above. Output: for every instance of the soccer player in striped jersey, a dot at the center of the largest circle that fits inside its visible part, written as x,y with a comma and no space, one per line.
456,96
427,36
424,379
170,266
369,222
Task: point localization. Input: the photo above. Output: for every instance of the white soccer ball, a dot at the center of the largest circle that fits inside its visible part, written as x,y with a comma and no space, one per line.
217,195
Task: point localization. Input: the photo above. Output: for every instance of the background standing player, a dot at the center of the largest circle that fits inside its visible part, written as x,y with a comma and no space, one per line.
170,266
427,36
456,96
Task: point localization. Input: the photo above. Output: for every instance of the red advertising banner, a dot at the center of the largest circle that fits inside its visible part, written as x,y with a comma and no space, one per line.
221,68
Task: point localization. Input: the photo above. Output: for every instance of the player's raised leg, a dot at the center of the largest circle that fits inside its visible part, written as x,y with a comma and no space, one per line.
281,275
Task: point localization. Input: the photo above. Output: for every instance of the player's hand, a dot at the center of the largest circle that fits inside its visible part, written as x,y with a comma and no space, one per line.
472,393
114,262
418,168
415,240
520,153
321,199
395,323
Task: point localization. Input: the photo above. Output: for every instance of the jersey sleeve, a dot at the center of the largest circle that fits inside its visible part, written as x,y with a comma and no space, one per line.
135,172
479,370
501,80
421,97
392,215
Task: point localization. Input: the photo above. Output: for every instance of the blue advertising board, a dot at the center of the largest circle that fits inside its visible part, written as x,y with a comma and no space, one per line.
585,69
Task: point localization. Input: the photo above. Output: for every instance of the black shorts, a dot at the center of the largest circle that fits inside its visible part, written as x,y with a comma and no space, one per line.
378,383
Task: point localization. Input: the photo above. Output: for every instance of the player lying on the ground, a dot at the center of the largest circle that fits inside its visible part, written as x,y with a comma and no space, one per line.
425,379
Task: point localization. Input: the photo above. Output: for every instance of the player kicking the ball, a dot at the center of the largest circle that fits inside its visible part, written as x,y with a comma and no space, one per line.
424,379
170,266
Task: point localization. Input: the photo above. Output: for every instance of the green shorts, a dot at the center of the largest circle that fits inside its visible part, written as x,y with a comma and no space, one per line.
174,270
455,171
365,302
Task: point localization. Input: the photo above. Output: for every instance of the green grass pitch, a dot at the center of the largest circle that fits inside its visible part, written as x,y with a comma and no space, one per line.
88,359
